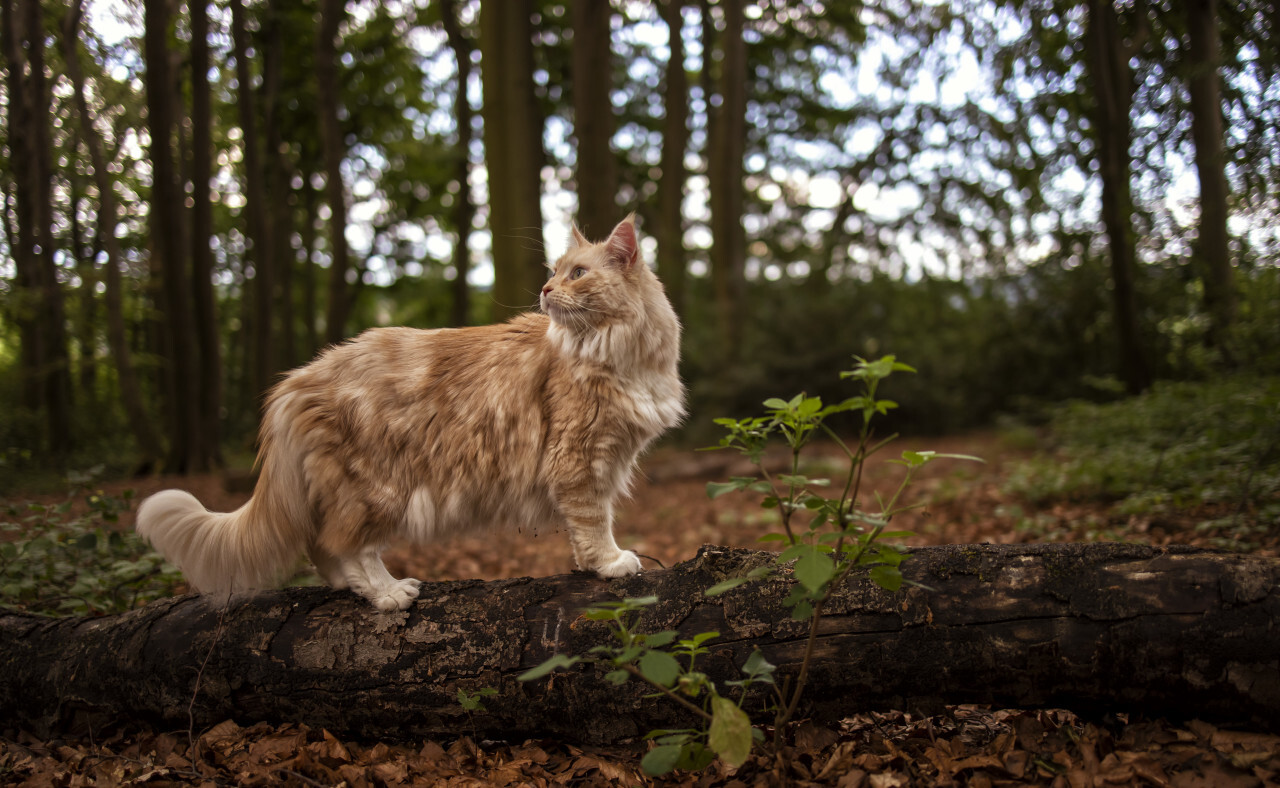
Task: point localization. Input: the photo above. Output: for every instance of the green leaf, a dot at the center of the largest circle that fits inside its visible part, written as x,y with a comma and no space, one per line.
659,639
730,731
726,585
696,757
659,667
557,661
773,403
717,489
814,569
661,759
802,610
618,677
759,668
887,577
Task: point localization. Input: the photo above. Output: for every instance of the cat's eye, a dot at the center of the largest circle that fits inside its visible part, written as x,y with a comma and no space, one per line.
578,273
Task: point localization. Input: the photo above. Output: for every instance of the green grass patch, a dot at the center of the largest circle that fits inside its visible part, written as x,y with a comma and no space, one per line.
1210,446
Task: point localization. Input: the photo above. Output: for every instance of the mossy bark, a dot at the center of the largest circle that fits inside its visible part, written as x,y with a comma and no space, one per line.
1095,628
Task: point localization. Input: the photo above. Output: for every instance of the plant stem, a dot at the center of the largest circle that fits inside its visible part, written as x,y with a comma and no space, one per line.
701,712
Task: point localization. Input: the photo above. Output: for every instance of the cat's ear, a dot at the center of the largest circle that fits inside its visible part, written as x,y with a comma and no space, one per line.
623,248
576,238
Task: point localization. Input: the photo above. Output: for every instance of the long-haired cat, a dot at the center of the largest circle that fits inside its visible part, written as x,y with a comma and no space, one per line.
536,422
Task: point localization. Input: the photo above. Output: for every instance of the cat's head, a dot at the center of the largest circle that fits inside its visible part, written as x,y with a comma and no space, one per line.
596,284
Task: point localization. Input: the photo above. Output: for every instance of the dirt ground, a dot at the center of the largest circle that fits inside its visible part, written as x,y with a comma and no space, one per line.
667,519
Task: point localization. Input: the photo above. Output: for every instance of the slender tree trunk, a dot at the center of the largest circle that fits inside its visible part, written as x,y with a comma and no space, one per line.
728,146
206,318
464,209
41,317
181,349
1112,84
256,210
140,422
513,152
332,13
675,142
311,200
279,172
86,321
1212,247
593,122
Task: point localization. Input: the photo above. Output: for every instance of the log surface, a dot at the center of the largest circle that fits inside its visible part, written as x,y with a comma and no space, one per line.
1095,628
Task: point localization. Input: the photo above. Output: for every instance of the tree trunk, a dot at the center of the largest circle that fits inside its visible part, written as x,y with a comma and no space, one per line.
463,212
332,13
513,154
281,200
669,232
41,318
1095,628
256,210
1211,249
140,422
1112,84
593,122
202,297
186,451
728,138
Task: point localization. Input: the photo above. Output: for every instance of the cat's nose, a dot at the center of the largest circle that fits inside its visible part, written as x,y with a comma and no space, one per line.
546,289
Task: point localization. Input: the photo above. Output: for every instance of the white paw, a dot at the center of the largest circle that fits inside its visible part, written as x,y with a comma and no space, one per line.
625,563
397,596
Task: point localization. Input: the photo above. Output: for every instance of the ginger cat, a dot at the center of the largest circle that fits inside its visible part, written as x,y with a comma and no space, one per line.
536,422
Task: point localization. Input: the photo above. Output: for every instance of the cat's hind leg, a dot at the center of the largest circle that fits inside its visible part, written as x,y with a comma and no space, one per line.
327,566
365,574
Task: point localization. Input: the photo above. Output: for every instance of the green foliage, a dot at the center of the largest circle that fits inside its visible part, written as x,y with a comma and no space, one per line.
1179,446
474,701
838,537
64,559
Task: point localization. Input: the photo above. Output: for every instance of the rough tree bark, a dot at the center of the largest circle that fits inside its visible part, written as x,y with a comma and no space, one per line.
463,212
513,154
1212,248
1107,60
669,231
593,121
1154,631
332,12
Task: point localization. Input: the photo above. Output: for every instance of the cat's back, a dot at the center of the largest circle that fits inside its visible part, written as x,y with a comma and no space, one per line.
381,361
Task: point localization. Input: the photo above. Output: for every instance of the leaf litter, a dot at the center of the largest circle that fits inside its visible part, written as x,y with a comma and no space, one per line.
965,746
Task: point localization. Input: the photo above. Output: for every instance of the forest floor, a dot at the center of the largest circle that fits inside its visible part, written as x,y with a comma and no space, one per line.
667,519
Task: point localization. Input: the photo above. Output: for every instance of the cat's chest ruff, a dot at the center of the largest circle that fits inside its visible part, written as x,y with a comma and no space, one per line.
650,401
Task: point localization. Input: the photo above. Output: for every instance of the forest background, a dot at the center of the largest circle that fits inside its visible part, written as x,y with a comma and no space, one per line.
1028,200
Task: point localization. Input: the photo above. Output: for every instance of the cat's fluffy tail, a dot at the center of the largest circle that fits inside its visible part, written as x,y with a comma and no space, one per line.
220,553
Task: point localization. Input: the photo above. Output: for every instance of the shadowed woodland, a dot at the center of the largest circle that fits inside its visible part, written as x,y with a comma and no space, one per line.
1027,200
1064,214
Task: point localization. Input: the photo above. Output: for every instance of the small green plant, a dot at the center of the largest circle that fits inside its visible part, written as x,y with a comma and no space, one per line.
670,666
56,561
472,702
1211,446
826,533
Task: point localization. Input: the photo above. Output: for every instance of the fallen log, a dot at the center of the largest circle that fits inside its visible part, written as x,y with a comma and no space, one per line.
1095,628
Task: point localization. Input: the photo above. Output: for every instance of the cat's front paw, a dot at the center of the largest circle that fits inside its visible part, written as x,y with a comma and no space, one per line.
397,596
624,563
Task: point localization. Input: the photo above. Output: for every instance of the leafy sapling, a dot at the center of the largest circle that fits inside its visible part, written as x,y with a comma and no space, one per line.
839,535
670,665
826,535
